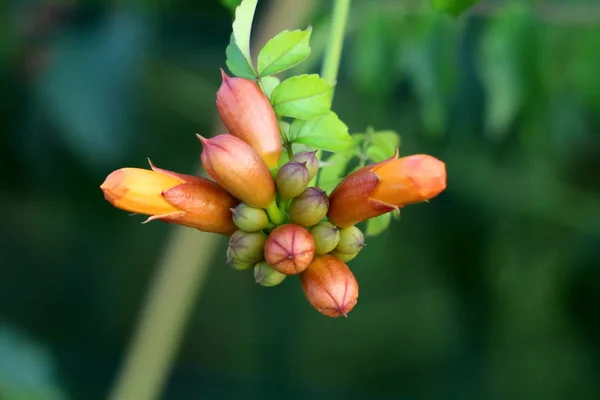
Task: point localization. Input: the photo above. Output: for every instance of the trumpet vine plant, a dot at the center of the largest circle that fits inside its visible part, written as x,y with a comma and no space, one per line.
286,212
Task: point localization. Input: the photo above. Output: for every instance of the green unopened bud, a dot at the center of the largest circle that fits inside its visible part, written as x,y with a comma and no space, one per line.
246,247
249,219
310,160
351,243
234,262
345,257
292,179
310,207
326,237
351,240
265,275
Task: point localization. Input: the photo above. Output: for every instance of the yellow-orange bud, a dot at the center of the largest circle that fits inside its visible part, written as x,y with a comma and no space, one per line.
171,197
237,167
330,286
248,115
383,187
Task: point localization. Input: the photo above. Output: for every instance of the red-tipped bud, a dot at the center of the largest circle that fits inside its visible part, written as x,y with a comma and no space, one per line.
383,187
326,236
171,197
289,249
310,207
238,168
267,276
250,219
310,160
247,247
292,179
330,286
248,114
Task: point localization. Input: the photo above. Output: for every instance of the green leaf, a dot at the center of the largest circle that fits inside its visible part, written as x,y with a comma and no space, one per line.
376,153
332,171
284,51
303,97
236,62
378,224
387,140
358,138
452,7
268,84
242,26
326,132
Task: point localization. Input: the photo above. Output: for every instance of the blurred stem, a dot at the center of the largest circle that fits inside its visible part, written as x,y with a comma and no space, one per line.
333,53
170,300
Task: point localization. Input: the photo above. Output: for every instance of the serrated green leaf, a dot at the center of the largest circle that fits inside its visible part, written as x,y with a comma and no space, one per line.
332,171
452,7
377,225
242,27
302,97
284,51
326,132
236,62
268,84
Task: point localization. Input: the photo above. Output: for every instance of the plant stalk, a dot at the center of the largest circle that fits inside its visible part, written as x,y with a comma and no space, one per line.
333,53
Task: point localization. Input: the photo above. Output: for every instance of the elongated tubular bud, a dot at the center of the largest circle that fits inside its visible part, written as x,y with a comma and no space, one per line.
238,168
248,115
289,249
171,197
329,286
386,186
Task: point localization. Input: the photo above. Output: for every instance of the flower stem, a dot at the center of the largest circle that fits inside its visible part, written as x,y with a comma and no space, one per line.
333,54
275,214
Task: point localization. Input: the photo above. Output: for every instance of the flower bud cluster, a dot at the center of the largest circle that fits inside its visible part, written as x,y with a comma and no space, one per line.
278,222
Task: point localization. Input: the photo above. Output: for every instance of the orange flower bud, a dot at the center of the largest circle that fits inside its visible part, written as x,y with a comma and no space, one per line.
171,197
289,249
238,168
330,286
248,115
383,187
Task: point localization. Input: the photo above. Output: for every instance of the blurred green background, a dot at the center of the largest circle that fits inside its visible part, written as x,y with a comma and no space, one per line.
491,291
